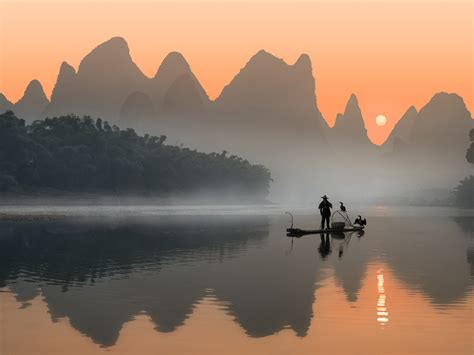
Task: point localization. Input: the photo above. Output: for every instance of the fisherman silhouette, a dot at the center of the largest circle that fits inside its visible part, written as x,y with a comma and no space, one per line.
325,210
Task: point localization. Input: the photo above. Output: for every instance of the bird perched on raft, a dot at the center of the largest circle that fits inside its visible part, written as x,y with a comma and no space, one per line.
342,207
360,221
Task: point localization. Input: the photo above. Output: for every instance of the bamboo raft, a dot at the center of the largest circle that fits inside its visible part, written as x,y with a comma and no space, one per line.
296,232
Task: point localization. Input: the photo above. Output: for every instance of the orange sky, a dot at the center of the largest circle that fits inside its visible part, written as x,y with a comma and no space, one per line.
391,54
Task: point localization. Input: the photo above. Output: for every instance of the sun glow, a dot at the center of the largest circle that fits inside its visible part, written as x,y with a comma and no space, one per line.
381,120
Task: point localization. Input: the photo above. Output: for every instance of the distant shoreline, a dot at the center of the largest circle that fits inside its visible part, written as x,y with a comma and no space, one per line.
96,199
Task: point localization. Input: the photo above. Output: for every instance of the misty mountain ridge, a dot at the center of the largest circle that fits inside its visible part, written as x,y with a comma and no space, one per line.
427,149
268,113
137,106
33,101
270,88
107,79
432,126
401,132
173,69
185,96
5,105
349,130
441,126
63,96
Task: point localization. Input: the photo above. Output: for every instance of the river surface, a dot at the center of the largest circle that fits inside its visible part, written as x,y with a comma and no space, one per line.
227,280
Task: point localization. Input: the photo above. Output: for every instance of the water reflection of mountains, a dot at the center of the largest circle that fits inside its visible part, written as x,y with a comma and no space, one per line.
101,275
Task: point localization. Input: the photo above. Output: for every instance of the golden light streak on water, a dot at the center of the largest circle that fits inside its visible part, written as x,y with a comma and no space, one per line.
382,310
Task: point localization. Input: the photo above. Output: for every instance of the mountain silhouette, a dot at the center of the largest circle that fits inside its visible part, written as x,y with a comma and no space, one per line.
105,78
440,128
175,74
137,109
349,130
443,122
185,97
427,149
63,97
268,113
5,105
268,89
107,82
401,133
33,102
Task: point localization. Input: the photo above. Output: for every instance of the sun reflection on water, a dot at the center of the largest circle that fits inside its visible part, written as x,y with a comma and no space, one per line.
382,310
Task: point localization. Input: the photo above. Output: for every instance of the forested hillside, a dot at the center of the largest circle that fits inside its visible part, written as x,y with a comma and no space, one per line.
75,154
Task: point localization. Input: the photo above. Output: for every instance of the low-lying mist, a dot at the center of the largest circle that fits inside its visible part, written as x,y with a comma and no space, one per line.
306,166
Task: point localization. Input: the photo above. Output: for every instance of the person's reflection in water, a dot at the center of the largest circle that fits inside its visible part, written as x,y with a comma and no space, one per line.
325,246
342,242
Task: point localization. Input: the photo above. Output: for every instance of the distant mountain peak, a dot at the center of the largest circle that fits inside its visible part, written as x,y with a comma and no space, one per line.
115,44
262,53
174,67
64,83
440,128
184,96
33,102
444,117
114,52
34,89
350,126
411,110
66,69
445,98
5,104
352,103
401,132
442,103
65,76
262,57
304,61
352,110
174,62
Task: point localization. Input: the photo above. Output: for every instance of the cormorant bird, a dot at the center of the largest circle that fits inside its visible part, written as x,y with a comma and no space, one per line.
342,208
360,221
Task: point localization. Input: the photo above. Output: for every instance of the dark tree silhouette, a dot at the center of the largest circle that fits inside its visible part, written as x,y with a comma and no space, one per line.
81,154
470,150
464,192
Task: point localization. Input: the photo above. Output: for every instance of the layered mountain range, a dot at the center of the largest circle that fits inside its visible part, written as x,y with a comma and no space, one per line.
349,129
438,125
268,104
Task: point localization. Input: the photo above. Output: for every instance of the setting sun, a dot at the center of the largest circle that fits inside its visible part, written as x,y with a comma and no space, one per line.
381,120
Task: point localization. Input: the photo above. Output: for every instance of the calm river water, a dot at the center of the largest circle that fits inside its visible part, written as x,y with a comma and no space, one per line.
227,280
